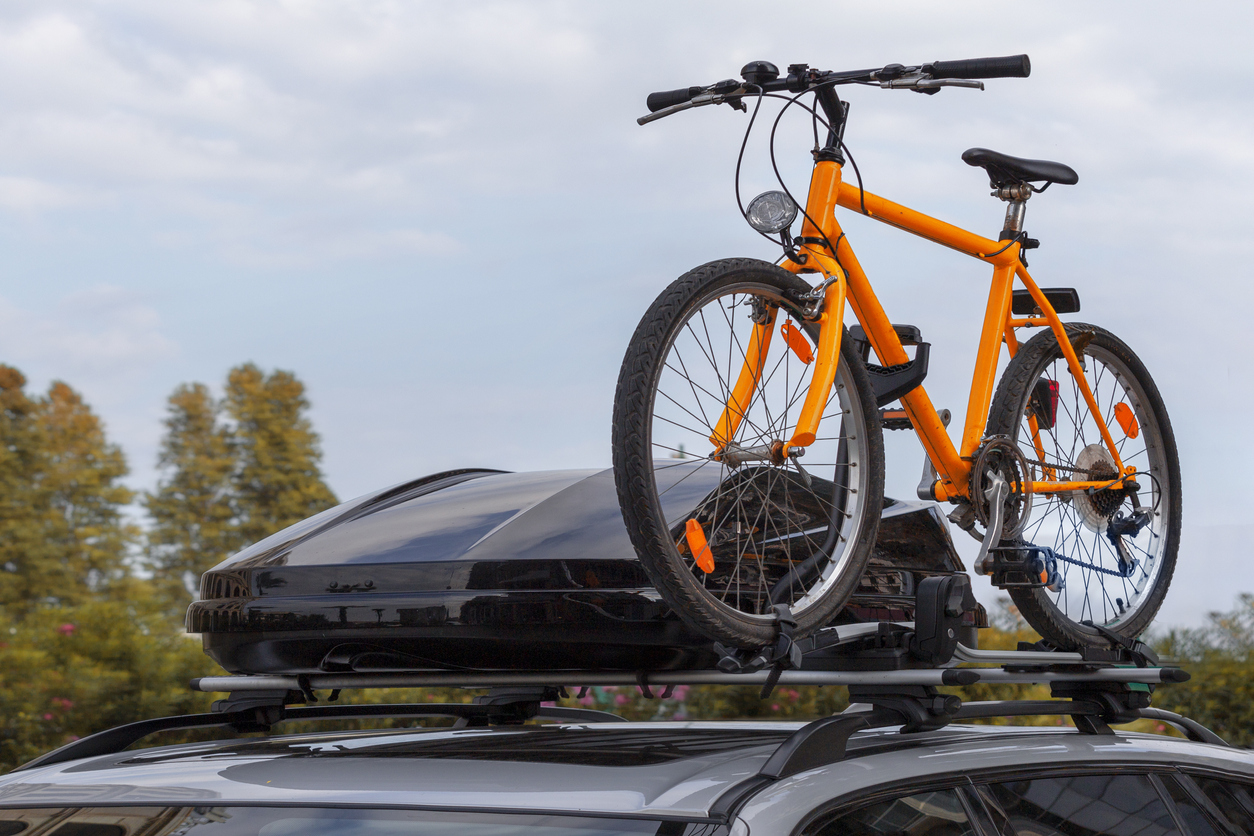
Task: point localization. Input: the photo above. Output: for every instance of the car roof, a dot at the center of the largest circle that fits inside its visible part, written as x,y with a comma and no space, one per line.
650,770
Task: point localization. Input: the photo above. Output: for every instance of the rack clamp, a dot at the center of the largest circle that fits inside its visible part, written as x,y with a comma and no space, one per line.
781,655
916,708
512,706
919,708
1117,702
930,641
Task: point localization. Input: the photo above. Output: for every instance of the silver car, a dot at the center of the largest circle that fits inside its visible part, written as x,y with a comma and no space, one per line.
651,779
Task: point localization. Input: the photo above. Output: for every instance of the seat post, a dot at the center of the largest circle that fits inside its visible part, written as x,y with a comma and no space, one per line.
1017,198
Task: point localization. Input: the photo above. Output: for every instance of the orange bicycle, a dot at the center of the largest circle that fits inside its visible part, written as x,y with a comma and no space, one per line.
748,419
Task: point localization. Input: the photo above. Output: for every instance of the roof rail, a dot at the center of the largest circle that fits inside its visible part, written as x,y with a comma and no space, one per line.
491,710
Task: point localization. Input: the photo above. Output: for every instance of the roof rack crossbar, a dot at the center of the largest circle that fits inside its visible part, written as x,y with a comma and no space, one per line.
1146,676
487,679
115,740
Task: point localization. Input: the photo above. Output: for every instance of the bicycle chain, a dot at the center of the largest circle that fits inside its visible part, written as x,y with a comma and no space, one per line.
1055,555
1084,565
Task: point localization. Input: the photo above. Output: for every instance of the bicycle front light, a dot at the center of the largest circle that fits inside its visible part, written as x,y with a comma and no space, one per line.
771,212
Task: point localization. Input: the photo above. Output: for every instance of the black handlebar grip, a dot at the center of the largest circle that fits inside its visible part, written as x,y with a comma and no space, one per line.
666,98
1010,66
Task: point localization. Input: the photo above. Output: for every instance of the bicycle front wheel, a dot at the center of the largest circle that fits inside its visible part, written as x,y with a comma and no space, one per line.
1111,574
725,526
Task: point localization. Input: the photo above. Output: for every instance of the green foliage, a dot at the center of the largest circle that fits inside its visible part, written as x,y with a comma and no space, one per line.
234,472
62,533
70,671
192,512
1220,658
278,481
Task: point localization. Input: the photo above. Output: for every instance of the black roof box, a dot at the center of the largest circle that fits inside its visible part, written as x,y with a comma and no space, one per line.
481,569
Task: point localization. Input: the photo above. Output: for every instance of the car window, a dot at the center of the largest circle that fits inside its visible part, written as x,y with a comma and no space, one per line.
1192,814
1233,800
938,813
1085,805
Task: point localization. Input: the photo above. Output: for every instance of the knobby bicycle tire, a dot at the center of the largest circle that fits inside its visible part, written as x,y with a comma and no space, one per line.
768,525
1096,585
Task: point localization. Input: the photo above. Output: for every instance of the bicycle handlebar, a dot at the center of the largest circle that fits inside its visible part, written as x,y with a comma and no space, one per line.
666,98
1010,66
926,78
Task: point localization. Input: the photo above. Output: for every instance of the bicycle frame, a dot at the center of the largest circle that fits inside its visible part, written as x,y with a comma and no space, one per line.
953,465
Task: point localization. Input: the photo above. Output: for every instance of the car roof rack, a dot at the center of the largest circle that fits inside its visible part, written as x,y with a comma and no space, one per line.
892,671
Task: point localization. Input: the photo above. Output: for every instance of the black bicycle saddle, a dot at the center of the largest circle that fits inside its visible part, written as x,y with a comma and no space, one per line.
1005,170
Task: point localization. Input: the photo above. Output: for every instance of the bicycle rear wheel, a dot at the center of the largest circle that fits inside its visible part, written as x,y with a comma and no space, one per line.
724,539
1098,584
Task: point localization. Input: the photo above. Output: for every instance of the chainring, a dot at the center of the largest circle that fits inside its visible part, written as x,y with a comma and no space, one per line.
1000,455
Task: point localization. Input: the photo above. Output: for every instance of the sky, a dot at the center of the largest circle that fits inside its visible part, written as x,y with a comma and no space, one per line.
444,219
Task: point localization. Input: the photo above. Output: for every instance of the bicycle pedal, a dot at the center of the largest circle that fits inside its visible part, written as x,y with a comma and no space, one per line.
1031,567
895,419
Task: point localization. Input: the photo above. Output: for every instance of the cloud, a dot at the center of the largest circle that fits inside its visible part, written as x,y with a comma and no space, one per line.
25,195
104,332
451,204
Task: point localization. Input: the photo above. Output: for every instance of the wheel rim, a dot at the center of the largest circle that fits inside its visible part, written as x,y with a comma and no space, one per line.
1095,585
763,522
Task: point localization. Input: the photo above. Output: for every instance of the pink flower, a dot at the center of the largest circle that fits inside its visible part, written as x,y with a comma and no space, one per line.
587,699
621,699
775,707
62,703
47,716
66,629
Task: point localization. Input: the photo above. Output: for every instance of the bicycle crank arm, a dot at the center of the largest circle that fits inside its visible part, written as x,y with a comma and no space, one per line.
996,495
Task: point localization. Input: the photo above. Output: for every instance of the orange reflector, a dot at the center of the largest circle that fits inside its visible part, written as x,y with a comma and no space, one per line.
1123,414
797,342
1045,576
699,547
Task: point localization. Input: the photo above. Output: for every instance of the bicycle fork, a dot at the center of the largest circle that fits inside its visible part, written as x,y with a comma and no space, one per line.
826,358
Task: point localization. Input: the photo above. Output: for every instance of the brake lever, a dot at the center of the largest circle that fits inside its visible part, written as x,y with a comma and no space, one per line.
695,101
666,111
923,83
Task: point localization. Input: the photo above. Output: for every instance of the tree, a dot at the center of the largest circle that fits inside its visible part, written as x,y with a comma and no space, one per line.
72,670
278,480
22,446
1220,658
193,514
235,471
62,530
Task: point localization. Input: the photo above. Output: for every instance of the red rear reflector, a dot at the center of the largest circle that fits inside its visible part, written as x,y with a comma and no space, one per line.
1044,403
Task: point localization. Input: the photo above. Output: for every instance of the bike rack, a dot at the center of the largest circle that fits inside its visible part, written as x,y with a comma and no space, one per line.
892,671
